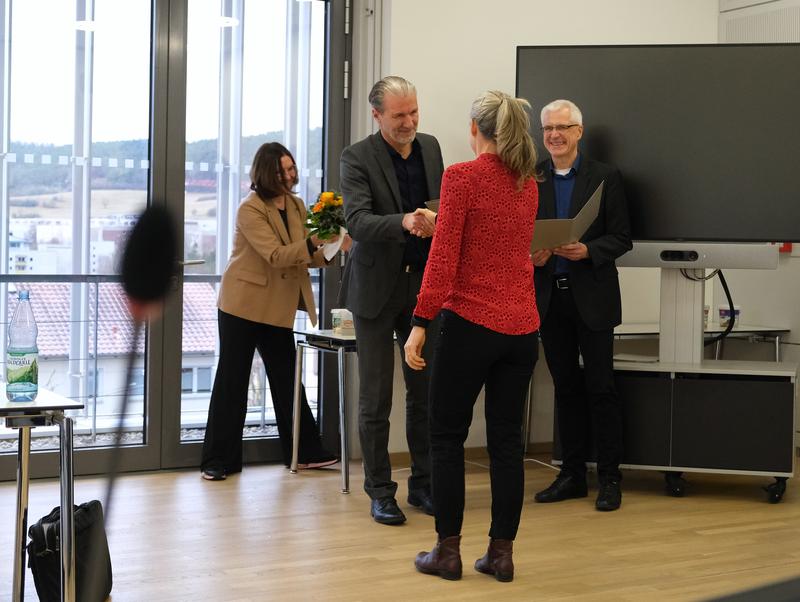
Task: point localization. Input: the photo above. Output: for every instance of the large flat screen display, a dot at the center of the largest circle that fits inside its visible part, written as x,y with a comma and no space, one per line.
707,137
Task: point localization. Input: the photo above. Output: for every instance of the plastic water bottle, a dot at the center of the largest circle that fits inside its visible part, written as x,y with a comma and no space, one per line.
22,354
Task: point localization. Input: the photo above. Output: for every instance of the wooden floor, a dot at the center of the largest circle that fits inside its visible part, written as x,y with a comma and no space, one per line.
269,535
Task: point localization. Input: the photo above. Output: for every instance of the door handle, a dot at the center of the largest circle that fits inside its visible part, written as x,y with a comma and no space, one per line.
183,264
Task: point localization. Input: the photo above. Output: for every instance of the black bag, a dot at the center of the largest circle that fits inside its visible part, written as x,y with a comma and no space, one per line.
91,546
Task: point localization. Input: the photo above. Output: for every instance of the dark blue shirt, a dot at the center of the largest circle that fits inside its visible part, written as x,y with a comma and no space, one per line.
563,187
413,186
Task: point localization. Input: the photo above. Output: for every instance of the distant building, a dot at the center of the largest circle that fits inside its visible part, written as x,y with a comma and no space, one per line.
27,261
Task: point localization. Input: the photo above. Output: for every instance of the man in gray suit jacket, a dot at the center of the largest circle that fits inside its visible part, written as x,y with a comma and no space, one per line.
386,180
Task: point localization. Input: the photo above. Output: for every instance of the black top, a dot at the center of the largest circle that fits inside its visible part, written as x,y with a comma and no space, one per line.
285,219
414,193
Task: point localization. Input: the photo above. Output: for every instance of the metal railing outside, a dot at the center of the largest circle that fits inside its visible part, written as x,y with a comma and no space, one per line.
95,373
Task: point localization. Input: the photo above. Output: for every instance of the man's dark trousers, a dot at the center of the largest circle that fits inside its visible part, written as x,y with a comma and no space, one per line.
586,400
375,372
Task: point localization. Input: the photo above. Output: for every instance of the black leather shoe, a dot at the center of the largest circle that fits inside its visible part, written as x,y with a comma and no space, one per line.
609,497
563,488
421,498
214,474
386,512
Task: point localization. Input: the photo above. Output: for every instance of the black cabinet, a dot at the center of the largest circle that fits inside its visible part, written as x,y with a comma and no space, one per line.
646,421
718,416
708,421
733,423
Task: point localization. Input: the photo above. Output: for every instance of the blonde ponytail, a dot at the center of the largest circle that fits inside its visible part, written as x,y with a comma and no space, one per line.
503,119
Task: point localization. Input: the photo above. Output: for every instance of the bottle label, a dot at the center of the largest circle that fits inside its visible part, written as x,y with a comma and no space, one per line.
22,367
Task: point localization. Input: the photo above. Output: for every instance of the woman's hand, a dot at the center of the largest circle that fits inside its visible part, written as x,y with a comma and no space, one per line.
347,244
413,348
317,241
420,222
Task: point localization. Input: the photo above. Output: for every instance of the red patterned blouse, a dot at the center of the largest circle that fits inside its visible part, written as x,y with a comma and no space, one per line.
480,265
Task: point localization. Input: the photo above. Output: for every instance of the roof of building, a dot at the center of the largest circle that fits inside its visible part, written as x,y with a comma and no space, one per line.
51,303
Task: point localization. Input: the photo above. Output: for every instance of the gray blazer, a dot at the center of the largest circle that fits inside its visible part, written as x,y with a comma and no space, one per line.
373,210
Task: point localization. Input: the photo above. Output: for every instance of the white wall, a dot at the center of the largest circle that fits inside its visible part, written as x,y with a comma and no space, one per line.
454,50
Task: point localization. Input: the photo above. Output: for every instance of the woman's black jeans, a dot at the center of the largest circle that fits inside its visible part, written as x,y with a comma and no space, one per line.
467,357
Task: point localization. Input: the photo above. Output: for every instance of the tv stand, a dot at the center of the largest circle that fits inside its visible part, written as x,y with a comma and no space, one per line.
688,414
709,415
719,416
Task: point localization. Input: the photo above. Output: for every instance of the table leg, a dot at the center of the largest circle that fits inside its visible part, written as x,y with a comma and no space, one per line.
777,347
298,382
23,479
343,425
67,533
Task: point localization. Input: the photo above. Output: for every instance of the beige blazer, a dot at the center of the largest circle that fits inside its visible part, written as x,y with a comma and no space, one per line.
267,279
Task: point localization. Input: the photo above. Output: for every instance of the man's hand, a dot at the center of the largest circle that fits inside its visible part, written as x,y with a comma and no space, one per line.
346,244
413,348
541,256
574,251
419,223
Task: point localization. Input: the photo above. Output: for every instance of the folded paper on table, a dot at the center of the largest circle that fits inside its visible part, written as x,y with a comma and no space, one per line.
329,249
433,205
551,233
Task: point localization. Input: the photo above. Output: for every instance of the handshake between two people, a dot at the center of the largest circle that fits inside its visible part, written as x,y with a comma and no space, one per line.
573,251
420,223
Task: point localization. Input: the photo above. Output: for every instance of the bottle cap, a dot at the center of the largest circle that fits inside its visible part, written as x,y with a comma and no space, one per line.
24,295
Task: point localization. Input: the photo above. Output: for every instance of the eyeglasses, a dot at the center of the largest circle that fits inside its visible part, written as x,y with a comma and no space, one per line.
560,128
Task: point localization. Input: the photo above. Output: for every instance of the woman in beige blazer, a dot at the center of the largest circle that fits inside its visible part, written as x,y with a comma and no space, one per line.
265,283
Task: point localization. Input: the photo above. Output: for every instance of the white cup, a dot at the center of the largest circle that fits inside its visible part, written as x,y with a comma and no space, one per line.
725,314
342,320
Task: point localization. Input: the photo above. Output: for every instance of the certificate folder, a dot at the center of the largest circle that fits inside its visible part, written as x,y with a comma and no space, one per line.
550,233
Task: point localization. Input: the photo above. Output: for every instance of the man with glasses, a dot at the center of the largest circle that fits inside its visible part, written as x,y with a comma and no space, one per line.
386,179
577,293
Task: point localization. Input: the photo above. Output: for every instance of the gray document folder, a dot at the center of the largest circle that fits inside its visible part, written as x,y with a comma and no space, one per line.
550,233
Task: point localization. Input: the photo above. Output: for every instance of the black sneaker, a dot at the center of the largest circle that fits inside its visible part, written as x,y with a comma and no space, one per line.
609,497
320,462
214,474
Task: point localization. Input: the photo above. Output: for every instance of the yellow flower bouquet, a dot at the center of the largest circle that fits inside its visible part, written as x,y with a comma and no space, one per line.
326,217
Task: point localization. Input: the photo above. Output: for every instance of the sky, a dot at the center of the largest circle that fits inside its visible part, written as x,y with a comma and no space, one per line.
43,74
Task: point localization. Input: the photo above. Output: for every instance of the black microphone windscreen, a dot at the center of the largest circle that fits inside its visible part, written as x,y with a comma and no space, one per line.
150,259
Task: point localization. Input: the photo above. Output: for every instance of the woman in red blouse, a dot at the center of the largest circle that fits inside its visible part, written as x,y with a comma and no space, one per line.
479,277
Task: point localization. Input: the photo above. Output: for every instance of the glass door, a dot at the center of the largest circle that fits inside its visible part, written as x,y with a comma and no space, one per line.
74,173
255,73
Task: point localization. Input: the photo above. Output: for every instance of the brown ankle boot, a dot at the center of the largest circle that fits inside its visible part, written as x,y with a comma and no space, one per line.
443,560
497,560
